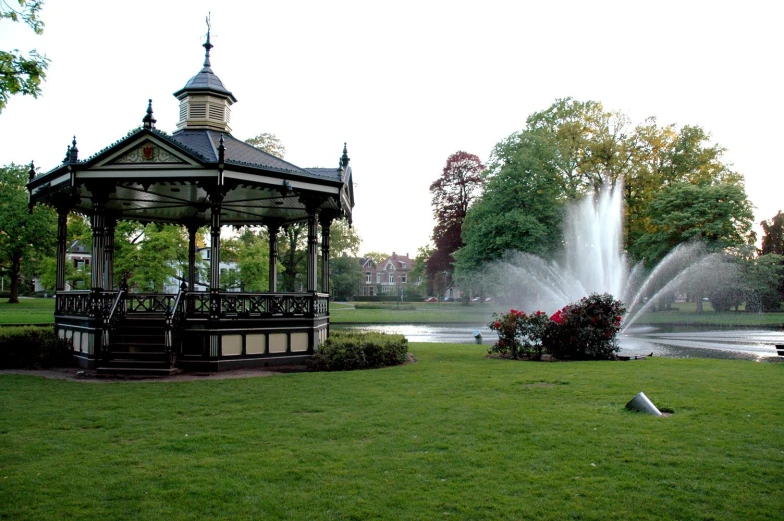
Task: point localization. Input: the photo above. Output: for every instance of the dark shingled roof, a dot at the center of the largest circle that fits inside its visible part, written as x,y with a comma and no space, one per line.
206,142
206,81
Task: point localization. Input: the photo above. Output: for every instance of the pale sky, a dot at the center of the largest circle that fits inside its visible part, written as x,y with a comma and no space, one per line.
405,83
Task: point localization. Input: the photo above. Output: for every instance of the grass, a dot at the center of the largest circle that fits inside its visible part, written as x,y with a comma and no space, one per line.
425,313
686,314
28,311
454,436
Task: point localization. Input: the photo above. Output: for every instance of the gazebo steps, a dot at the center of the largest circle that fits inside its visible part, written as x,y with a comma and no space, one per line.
132,369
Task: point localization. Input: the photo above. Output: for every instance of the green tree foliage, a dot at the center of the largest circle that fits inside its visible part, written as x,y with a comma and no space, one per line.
764,278
78,230
24,237
377,256
269,143
20,74
720,215
345,276
521,207
149,254
292,251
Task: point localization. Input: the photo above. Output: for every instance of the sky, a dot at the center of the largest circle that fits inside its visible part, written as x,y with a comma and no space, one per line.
405,84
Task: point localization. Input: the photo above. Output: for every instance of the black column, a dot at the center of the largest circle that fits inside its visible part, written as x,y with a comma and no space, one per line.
192,229
273,230
326,223
108,253
312,251
99,236
62,246
215,229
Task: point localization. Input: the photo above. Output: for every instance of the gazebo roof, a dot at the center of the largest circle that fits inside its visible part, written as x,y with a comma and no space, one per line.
151,176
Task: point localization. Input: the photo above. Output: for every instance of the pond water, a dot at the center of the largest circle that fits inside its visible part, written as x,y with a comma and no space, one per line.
671,341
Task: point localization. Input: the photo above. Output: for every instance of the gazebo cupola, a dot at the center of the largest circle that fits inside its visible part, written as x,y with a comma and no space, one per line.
204,102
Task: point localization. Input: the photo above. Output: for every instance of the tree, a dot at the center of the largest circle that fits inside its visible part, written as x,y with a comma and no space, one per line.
773,240
78,230
150,254
521,207
24,236
269,143
20,74
377,256
452,195
345,276
293,256
720,215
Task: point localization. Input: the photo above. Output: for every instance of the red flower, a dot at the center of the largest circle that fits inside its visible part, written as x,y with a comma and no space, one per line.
497,324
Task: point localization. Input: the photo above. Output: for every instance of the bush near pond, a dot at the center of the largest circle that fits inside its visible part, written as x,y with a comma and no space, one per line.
586,330
349,350
32,347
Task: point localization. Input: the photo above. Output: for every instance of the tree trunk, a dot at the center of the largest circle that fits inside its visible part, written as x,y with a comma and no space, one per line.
698,299
16,268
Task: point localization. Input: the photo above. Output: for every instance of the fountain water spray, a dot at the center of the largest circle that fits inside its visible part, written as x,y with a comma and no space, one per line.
593,262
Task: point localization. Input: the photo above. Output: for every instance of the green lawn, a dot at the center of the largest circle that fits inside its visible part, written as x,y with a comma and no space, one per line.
425,313
28,311
453,436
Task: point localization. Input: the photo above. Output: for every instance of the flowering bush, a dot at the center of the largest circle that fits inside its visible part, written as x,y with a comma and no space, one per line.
519,334
583,331
586,330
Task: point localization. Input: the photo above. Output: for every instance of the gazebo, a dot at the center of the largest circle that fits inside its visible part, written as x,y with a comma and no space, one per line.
198,176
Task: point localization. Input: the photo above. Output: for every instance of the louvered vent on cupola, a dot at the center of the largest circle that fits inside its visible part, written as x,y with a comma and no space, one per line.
208,112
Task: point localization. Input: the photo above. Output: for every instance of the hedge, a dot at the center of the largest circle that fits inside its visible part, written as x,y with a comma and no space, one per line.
349,350
32,347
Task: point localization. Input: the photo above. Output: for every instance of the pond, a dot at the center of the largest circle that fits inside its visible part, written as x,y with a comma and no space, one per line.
671,341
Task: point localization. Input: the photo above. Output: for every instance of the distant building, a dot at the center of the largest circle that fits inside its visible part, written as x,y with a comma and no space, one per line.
390,277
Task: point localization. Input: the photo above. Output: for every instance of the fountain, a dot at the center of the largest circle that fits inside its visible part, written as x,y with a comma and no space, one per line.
593,261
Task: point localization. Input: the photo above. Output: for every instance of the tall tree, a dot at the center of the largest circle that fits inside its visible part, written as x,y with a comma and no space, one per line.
20,74
269,143
720,215
24,236
773,240
452,195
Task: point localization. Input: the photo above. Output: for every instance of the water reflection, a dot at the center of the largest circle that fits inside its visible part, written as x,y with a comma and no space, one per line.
671,341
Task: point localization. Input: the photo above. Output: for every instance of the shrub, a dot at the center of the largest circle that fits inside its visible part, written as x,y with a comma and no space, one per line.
349,350
586,330
32,347
519,334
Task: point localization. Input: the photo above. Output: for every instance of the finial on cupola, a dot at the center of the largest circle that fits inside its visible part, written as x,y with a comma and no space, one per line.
31,173
344,159
149,121
221,150
73,155
207,46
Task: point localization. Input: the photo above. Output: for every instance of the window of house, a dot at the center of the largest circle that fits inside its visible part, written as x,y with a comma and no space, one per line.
368,278
403,265
385,289
378,278
403,278
391,278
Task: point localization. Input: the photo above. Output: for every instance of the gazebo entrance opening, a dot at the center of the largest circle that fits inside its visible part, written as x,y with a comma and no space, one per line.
198,176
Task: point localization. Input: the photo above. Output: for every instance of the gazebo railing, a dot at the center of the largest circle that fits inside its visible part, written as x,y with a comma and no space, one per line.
196,304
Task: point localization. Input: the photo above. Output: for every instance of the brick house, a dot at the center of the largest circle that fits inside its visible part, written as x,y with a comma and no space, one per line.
389,277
